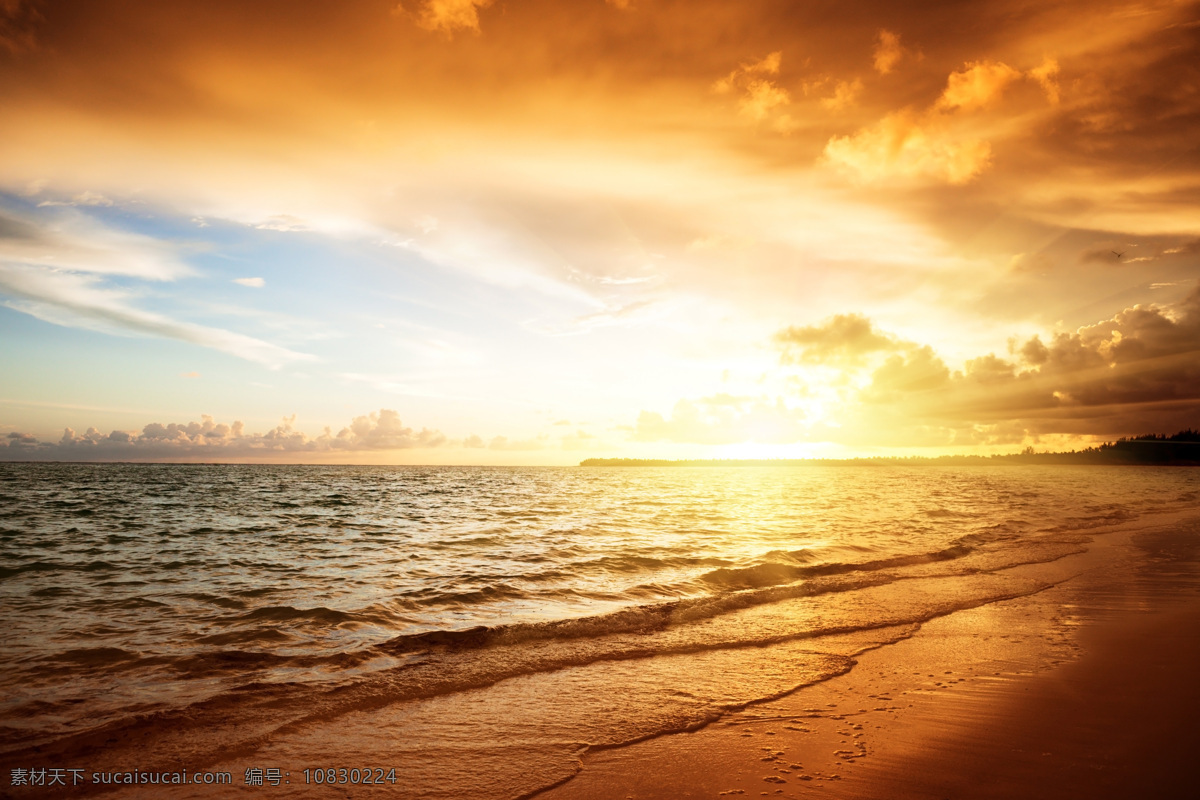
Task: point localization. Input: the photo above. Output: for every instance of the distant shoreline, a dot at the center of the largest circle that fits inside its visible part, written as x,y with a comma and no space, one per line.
1152,450
889,461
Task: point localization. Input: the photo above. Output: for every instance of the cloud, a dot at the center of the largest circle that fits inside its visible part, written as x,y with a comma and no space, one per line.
938,143
383,431
723,420
919,369
54,269
575,140
77,301
209,440
81,199
768,65
1030,263
254,283
1136,372
760,95
977,86
844,96
1144,354
888,52
18,22
760,98
66,239
449,16
1045,76
1110,254
843,339
621,315
285,223
907,145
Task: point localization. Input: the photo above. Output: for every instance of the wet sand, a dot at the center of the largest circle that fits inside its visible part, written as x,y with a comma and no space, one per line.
1086,690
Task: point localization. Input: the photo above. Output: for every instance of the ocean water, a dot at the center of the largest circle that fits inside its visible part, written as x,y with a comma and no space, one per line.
476,629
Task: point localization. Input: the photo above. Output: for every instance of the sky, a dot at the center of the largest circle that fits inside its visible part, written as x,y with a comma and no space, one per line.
534,231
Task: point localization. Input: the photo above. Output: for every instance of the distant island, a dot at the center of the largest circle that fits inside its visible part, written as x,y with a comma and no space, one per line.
1177,450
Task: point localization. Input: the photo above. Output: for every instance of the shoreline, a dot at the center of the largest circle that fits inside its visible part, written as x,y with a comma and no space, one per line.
1089,692
910,694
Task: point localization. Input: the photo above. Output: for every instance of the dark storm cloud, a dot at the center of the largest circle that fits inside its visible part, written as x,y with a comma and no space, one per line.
1142,364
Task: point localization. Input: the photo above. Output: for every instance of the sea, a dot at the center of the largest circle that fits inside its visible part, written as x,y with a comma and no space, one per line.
472,631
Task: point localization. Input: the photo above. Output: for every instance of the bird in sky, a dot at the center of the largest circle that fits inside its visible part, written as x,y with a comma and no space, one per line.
1118,255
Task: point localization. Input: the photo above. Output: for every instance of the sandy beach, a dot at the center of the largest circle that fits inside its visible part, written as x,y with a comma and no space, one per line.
1084,690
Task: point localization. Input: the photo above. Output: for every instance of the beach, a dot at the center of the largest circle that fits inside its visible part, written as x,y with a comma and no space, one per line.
969,633
608,400
1086,690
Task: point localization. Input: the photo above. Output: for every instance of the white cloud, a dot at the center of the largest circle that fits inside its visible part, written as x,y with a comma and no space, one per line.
54,268
70,240
382,431
81,199
283,222
77,301
254,283
207,439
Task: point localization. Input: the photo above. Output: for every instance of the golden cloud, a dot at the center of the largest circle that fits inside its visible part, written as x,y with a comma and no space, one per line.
1046,75
449,16
976,86
888,52
935,144
906,145
760,95
844,96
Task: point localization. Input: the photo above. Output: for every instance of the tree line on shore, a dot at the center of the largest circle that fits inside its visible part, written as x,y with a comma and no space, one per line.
1179,449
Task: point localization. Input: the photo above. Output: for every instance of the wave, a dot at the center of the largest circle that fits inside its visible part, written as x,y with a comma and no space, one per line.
318,614
773,573
440,663
52,566
657,617
278,610
97,656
